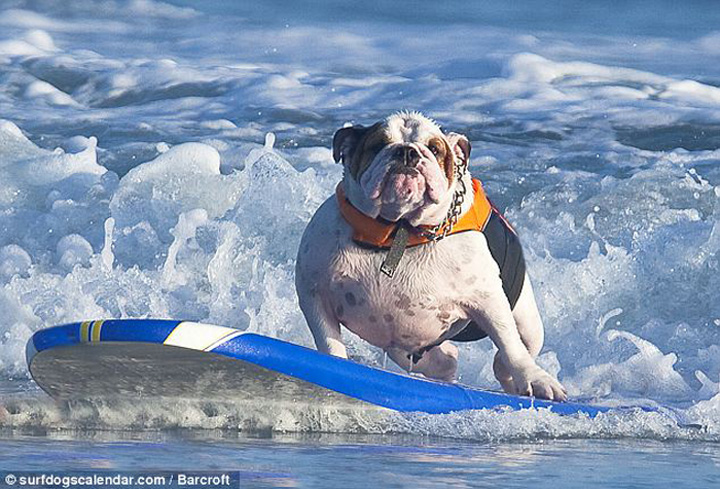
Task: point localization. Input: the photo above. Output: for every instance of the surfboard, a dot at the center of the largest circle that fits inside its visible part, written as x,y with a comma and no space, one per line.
151,358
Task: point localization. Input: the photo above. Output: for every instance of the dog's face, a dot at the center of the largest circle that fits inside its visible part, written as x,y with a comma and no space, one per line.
400,167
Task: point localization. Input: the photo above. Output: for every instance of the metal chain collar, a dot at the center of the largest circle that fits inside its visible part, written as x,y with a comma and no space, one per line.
436,233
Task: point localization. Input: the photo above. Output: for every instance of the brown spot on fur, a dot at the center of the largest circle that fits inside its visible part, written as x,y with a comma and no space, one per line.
388,318
409,312
405,336
471,280
481,294
403,301
375,140
358,146
443,154
350,299
372,318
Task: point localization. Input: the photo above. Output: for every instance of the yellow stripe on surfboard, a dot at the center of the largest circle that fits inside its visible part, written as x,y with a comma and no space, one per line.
95,331
85,331
90,330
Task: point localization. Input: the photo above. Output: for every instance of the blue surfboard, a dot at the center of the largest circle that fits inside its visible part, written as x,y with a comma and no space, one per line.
133,358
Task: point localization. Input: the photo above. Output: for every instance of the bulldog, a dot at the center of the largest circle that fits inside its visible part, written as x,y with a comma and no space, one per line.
411,256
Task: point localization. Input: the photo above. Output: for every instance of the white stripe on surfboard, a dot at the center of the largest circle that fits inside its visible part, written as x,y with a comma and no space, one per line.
224,340
199,336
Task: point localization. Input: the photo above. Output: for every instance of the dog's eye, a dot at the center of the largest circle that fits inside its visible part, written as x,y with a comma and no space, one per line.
375,148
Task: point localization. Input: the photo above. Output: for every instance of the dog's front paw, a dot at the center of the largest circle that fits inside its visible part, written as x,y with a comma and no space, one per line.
538,383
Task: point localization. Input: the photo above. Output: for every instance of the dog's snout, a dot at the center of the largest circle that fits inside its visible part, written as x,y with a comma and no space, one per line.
409,155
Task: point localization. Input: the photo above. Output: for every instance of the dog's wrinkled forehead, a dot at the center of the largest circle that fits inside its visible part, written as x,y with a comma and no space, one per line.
357,146
410,127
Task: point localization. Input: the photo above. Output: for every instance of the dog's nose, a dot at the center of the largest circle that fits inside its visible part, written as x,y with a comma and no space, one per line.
410,156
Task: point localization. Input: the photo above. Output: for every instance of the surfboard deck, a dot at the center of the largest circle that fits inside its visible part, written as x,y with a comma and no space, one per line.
149,358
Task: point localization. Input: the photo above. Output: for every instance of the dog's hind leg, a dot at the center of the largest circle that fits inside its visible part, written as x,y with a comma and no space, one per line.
439,363
529,325
528,321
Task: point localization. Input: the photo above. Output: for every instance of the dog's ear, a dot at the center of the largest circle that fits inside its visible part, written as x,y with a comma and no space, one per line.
460,145
345,141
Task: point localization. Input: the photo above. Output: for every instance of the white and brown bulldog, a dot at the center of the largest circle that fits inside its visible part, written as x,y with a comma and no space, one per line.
410,256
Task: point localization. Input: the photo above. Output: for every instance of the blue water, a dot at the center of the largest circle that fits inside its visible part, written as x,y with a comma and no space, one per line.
329,461
145,147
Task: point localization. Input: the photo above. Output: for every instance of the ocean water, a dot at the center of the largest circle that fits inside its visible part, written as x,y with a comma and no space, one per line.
161,159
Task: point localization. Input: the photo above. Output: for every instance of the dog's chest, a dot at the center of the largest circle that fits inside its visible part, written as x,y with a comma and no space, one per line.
420,302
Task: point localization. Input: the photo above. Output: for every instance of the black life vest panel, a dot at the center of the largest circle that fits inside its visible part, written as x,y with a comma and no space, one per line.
507,252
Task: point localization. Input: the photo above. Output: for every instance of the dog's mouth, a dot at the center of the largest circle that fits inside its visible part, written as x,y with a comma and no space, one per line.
403,190
402,184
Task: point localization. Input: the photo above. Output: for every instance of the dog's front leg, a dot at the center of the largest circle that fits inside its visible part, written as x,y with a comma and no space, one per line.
495,317
324,327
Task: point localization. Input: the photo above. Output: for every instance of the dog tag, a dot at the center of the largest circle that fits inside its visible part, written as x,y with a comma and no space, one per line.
395,254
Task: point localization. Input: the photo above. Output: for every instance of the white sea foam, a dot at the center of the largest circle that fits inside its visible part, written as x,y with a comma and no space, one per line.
174,179
259,417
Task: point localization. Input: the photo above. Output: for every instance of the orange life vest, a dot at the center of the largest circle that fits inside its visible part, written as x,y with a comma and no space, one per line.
379,233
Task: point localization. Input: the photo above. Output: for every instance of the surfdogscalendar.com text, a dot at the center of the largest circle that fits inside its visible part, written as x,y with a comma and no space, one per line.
110,480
